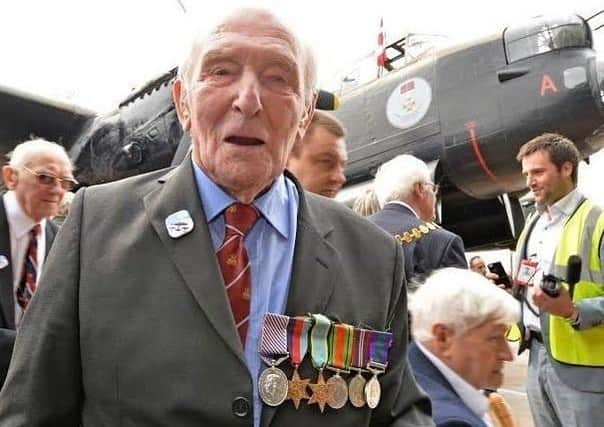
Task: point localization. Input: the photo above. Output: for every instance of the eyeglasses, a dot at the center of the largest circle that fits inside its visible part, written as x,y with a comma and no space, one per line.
49,180
434,186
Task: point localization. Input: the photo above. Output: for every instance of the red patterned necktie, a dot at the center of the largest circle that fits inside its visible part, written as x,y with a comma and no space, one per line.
234,263
27,285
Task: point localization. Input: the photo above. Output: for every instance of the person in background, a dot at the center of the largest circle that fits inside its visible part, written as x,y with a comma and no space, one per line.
318,160
407,197
459,330
477,265
154,297
565,333
367,203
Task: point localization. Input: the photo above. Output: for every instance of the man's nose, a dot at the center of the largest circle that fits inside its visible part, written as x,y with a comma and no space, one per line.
506,352
338,176
247,99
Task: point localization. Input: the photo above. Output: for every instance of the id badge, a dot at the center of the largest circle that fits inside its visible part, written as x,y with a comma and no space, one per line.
526,272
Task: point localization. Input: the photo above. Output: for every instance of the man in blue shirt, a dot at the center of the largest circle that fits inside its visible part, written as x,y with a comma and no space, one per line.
152,314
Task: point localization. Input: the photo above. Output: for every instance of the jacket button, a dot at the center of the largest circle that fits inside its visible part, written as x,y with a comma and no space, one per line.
241,407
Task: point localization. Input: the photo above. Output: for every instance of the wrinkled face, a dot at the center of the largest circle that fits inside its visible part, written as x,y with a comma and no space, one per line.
478,355
478,266
547,183
38,200
245,106
320,163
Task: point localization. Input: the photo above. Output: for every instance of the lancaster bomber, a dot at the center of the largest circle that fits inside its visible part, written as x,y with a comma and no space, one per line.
464,109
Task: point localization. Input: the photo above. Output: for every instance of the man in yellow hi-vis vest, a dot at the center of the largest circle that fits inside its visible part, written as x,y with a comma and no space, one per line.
565,334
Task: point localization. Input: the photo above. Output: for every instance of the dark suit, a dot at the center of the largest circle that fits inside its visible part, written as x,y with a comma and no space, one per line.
140,331
7,298
447,407
437,249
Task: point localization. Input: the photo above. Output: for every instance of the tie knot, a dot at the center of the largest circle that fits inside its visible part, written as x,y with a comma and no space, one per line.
241,217
35,230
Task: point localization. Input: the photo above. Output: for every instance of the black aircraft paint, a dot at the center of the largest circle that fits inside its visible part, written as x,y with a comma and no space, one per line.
465,110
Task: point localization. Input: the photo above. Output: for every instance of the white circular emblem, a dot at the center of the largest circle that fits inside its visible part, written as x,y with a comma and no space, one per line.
408,103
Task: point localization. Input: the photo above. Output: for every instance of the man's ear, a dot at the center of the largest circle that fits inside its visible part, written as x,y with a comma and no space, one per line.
566,169
9,176
306,118
441,337
179,97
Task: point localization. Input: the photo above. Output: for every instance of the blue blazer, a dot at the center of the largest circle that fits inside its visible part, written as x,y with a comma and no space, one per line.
438,249
448,410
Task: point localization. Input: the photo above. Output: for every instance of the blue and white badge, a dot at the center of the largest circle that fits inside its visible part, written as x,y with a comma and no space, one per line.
179,223
3,262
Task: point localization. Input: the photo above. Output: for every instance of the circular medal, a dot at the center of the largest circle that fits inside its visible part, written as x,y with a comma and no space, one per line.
356,391
373,392
272,386
339,392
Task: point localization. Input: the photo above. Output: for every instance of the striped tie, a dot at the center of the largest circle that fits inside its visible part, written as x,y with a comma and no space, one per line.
27,285
235,265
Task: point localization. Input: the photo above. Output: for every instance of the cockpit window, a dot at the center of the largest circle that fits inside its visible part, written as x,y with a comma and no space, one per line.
544,35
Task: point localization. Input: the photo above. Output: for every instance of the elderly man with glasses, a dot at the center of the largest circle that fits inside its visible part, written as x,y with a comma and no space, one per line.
37,176
407,197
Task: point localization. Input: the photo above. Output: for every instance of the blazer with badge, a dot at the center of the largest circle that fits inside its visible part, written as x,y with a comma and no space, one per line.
7,294
448,408
430,248
140,330
7,297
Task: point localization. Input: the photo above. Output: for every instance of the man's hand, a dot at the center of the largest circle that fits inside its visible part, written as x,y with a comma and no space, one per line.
560,306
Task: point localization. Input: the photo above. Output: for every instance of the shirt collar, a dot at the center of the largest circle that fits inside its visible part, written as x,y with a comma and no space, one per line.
400,202
472,397
20,222
272,204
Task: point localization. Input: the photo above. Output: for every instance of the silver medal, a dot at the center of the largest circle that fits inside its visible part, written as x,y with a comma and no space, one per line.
356,391
272,386
373,392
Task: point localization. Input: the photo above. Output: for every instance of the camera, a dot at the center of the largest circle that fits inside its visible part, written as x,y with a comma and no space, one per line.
551,284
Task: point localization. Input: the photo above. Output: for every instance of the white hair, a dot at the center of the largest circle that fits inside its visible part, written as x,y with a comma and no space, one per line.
303,51
395,179
461,299
23,153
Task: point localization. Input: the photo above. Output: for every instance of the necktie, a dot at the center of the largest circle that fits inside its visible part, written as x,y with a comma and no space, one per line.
500,411
235,265
27,285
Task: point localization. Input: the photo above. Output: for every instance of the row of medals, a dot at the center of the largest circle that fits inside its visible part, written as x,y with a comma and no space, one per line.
274,388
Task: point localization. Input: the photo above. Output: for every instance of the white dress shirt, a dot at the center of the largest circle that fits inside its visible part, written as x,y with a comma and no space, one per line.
20,224
541,247
472,397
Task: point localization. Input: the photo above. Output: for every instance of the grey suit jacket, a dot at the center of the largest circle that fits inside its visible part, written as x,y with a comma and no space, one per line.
7,298
138,330
438,249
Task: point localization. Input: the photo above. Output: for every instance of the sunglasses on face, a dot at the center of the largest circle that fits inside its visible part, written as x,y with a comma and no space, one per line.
49,180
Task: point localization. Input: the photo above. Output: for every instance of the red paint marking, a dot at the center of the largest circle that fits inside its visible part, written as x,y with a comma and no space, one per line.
547,84
471,127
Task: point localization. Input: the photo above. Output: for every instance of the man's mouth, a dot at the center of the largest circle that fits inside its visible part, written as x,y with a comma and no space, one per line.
243,140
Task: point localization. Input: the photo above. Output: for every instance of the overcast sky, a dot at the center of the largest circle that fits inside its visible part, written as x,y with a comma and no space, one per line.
94,52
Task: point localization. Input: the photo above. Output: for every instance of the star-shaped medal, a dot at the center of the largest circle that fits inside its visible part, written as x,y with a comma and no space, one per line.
321,392
296,389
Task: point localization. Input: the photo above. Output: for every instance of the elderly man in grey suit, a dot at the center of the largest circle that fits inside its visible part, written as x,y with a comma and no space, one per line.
407,196
37,176
139,328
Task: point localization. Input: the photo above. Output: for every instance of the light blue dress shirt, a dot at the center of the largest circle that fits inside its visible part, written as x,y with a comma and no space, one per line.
270,247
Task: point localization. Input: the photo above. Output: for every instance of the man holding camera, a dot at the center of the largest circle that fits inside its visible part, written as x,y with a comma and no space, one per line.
565,333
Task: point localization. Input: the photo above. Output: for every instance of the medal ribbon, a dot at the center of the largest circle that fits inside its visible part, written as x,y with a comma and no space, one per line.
340,343
380,347
297,338
274,335
318,340
360,348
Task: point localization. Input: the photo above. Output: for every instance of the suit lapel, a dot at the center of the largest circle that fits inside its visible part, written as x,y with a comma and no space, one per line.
50,231
313,271
7,302
193,253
